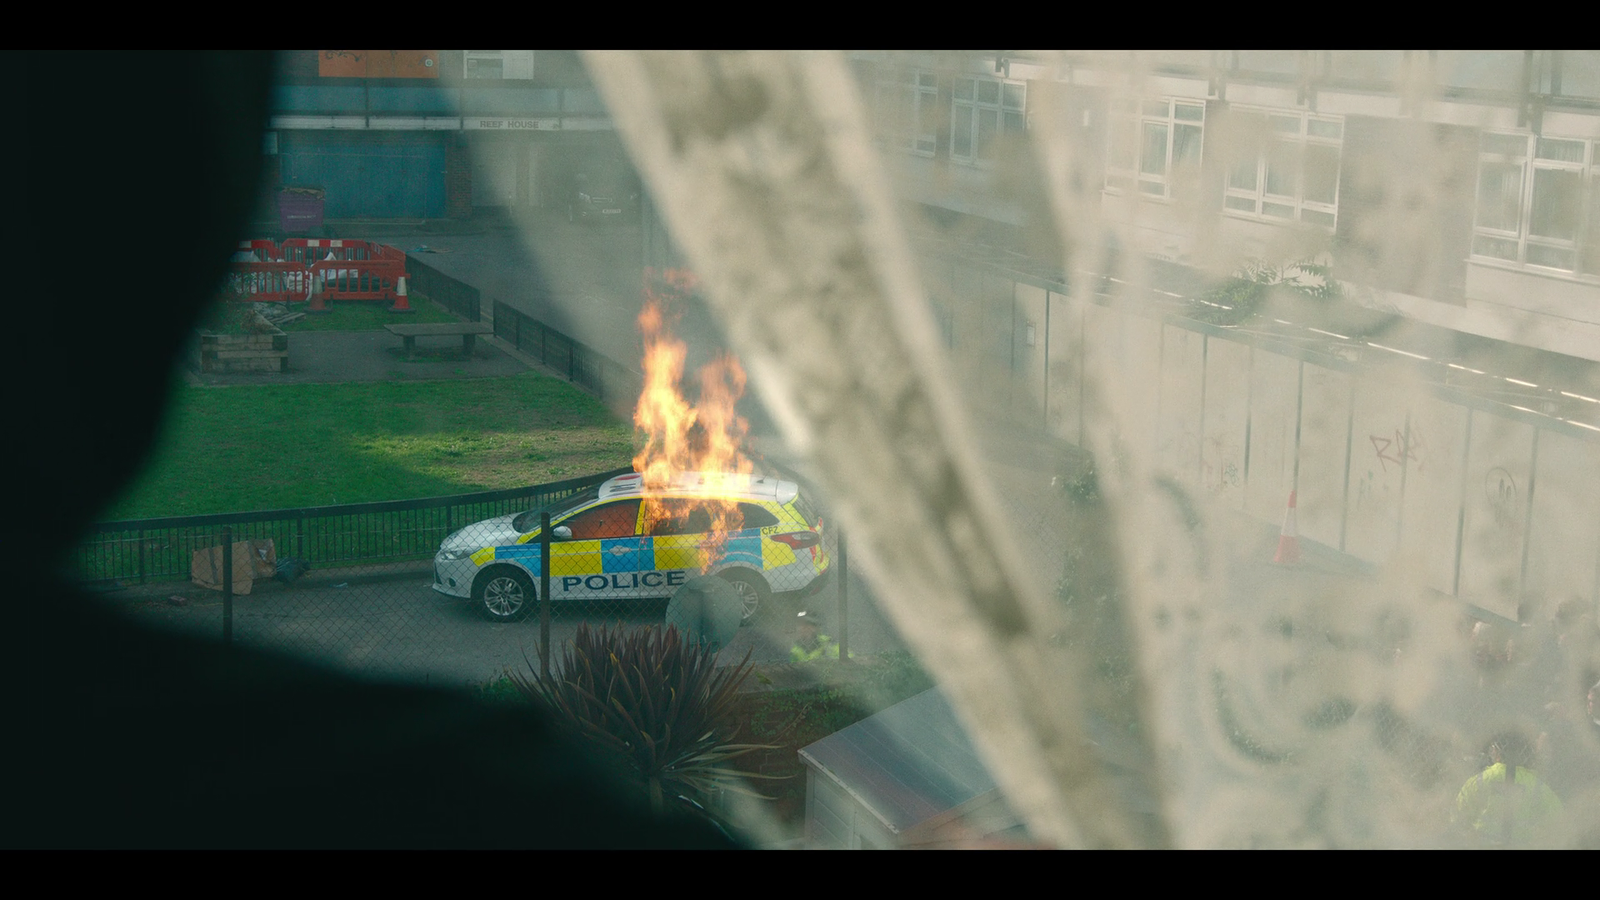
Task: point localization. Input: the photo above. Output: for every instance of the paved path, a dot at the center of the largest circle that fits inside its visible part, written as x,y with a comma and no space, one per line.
397,626
581,279
322,357
404,630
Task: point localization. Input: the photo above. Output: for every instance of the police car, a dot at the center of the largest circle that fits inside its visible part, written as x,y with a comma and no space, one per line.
604,545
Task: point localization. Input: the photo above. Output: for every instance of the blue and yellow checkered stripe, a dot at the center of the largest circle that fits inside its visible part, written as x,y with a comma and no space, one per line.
633,554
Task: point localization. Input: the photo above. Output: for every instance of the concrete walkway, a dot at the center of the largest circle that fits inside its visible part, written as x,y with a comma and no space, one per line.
326,357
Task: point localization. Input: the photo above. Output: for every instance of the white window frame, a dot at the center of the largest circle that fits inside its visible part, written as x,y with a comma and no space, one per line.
1260,205
514,64
1491,243
967,105
909,99
1134,171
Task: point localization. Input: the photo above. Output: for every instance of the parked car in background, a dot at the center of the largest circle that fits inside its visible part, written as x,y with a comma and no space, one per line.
608,193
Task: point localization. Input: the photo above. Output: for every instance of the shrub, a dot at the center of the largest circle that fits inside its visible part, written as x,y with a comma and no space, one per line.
655,705
1243,295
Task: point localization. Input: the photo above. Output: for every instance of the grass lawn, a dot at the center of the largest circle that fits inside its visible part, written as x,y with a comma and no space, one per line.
253,447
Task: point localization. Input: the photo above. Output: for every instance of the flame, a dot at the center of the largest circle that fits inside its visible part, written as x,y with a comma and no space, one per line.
706,437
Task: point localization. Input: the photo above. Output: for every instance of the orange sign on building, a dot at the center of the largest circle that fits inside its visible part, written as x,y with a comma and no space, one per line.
378,63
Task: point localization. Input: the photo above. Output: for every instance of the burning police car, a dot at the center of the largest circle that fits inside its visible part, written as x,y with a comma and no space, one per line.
620,541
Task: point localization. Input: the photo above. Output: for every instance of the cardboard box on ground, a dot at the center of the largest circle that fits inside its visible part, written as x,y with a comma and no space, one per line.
251,560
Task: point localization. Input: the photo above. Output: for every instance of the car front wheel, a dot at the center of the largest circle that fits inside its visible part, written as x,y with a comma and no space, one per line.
504,595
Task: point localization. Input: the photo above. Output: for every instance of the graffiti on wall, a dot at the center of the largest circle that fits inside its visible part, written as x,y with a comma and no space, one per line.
1224,473
1500,490
1398,449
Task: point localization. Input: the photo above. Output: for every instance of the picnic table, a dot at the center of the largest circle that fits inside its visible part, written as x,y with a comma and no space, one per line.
468,331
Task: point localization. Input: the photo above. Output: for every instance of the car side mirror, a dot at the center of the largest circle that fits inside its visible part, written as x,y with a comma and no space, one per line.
561,533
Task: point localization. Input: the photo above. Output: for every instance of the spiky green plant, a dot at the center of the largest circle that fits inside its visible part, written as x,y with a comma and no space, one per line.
1243,294
655,705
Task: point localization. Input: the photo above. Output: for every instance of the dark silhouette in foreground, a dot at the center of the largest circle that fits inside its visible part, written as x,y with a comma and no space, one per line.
123,737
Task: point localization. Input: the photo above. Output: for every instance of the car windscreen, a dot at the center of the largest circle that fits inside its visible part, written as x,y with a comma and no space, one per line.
528,521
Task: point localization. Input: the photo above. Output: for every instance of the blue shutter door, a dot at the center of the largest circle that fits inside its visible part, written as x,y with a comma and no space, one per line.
398,177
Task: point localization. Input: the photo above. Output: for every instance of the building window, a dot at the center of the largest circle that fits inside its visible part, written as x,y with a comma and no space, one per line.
907,110
499,64
1287,167
982,110
1538,202
1155,145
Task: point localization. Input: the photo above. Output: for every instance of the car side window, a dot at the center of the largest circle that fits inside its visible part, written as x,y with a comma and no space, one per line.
683,517
611,520
756,516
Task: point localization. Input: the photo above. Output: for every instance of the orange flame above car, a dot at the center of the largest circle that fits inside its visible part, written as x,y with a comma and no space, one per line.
706,436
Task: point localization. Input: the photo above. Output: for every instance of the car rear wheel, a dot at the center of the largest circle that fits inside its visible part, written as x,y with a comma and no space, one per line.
504,595
754,595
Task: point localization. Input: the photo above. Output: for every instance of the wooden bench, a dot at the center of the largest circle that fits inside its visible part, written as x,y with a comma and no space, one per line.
468,331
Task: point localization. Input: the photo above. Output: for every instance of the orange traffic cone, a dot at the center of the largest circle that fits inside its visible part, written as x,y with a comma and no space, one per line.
319,304
1288,538
401,305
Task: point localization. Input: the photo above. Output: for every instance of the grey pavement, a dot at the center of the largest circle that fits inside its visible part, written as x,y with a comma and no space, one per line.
397,627
403,630
322,357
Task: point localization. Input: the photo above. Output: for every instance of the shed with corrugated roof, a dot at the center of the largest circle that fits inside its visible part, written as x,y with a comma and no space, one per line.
904,778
